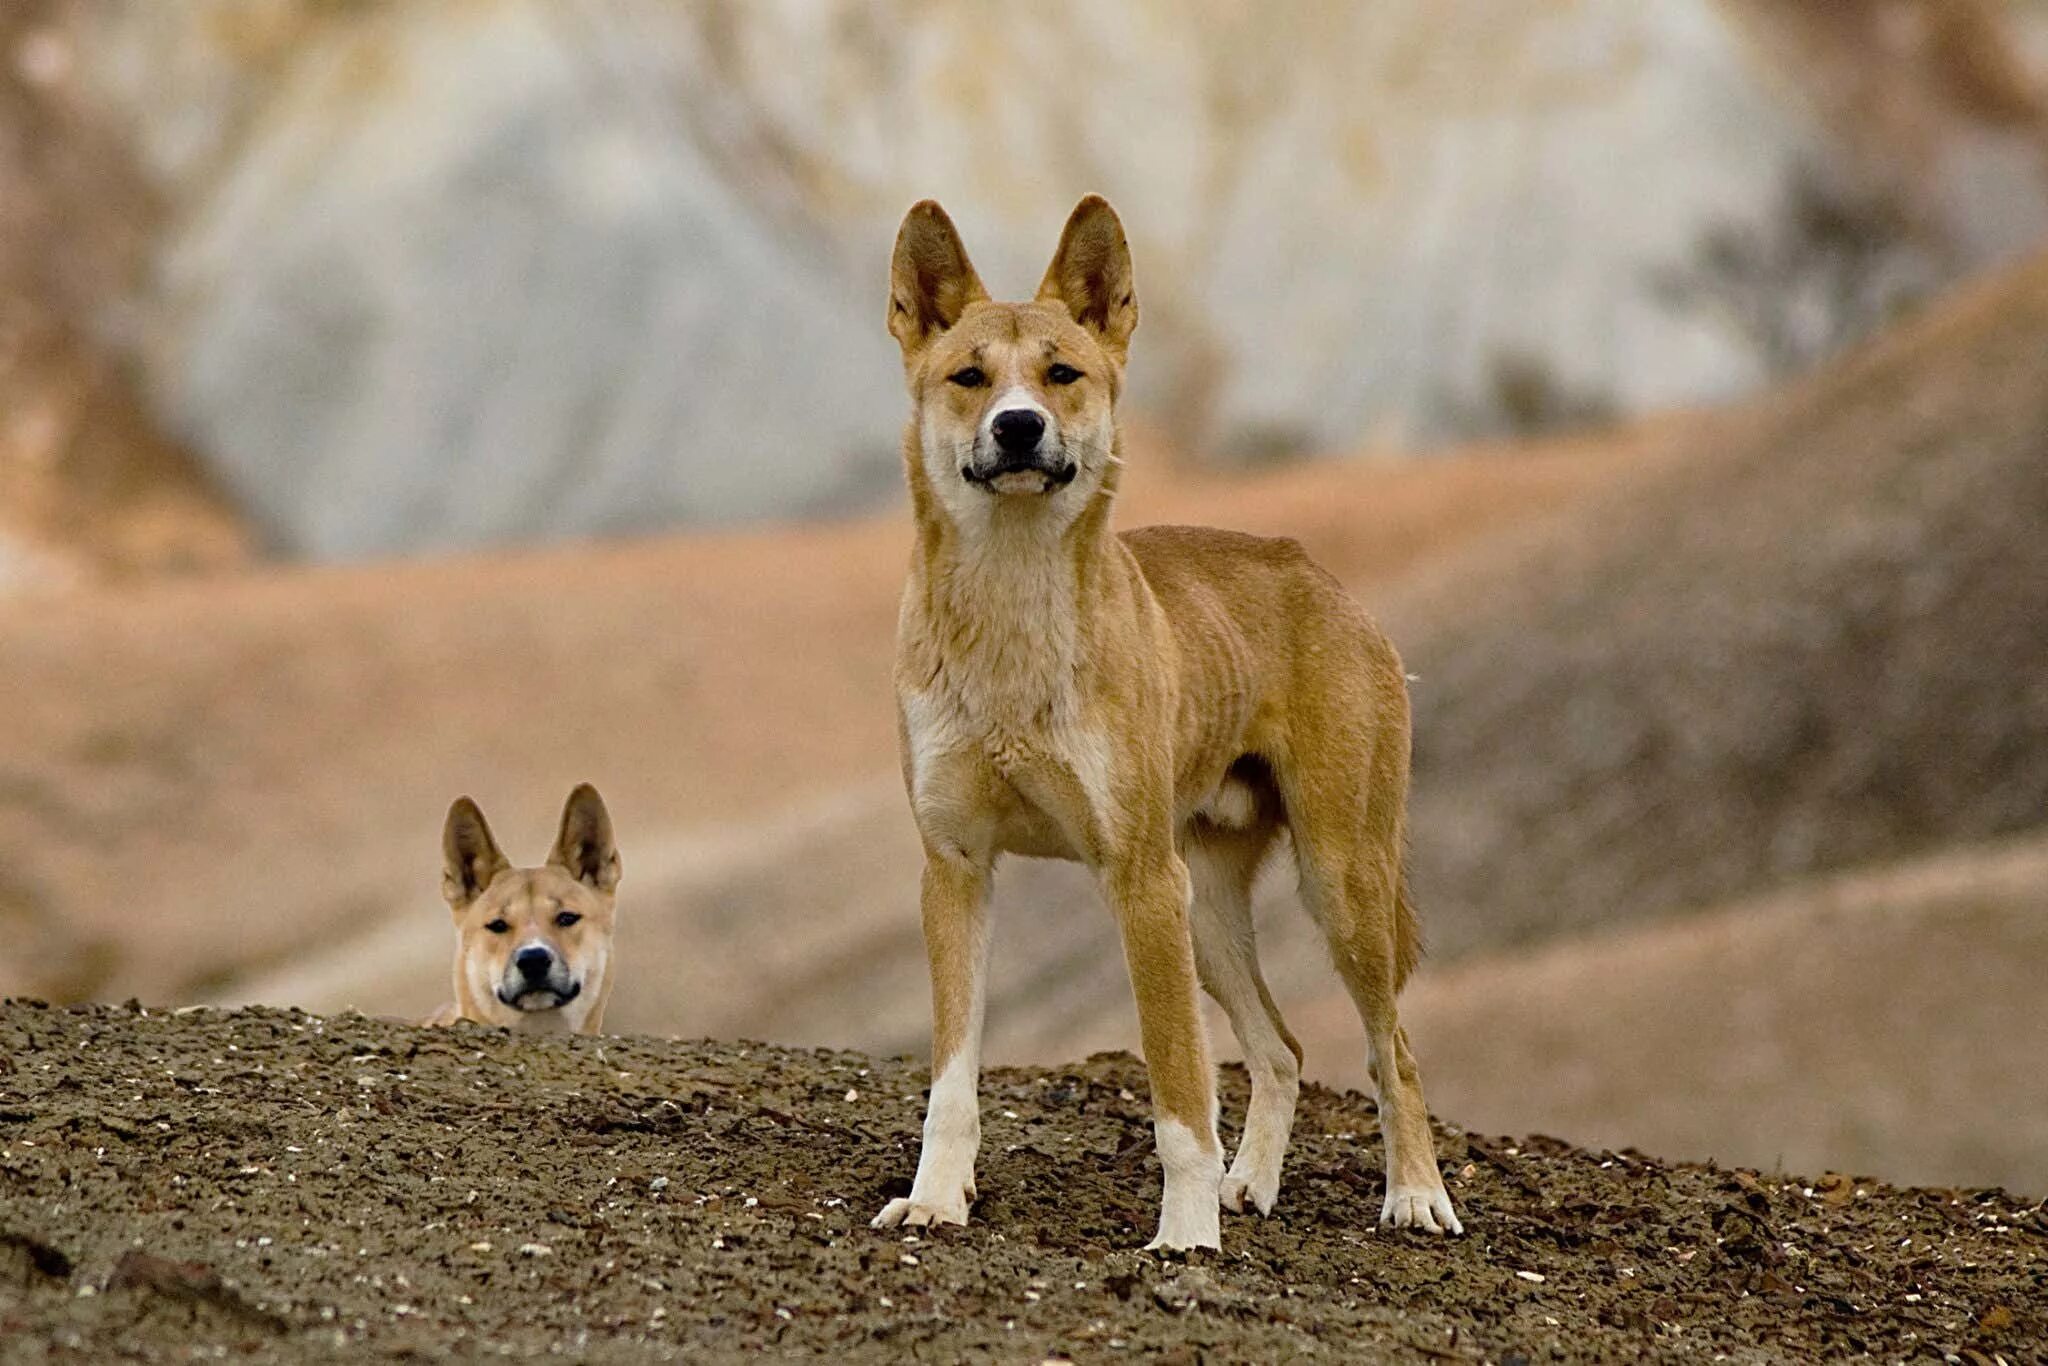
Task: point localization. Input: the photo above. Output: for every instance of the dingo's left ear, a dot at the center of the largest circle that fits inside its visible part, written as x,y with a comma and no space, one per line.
1091,275
584,848
931,281
470,855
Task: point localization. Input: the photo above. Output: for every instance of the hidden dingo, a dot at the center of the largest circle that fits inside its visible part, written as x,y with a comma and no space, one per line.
533,946
1160,705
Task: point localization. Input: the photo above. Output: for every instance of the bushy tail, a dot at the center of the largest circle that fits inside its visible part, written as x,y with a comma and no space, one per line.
1408,945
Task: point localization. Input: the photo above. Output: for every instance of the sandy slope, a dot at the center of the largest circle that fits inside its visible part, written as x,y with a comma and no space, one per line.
200,780
1813,642
1891,1019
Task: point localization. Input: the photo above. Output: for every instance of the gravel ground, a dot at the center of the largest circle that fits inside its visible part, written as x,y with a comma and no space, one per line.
270,1185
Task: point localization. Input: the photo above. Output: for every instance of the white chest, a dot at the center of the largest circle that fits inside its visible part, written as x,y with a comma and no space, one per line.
1038,789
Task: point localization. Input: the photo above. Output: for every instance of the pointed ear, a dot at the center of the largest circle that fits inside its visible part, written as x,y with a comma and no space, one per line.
584,848
931,281
1091,275
471,858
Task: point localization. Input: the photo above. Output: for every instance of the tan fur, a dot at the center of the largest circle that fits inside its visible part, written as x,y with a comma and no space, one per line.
1166,699
500,909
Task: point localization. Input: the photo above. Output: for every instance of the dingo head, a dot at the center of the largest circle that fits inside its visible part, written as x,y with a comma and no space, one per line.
1013,405
533,945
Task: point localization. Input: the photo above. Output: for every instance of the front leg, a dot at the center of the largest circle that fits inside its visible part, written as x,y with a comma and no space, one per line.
956,939
1150,895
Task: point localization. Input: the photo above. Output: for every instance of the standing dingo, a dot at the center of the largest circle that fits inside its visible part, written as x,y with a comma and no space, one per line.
1159,705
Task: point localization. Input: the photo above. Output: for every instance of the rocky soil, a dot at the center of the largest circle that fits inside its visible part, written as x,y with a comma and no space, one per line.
273,1185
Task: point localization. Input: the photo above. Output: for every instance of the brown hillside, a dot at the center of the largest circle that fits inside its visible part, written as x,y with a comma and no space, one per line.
1890,1019
270,756
1814,642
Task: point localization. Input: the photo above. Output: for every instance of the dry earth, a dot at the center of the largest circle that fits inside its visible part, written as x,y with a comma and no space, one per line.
269,1185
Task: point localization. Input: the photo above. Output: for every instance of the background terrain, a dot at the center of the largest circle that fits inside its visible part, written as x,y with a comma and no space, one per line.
1671,380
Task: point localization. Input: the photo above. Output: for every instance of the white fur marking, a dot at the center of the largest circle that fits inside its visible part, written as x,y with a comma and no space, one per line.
952,1124
920,728
1011,400
1190,1212
944,1185
578,1010
1087,751
1019,481
1231,805
1255,1172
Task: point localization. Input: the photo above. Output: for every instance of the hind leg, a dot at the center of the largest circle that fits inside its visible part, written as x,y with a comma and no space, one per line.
1422,1202
1416,1197
1351,879
1357,908
1222,866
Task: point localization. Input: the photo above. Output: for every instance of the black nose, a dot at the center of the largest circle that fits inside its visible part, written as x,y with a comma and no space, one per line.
533,963
1017,430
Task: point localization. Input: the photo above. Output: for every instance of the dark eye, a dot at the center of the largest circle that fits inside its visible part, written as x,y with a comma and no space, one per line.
1062,373
497,926
969,378
567,918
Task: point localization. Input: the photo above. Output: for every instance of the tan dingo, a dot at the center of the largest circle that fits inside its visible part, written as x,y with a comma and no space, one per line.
533,946
1159,705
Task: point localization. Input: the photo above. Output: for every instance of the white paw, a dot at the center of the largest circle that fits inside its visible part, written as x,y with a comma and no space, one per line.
1186,1239
1424,1207
1189,1220
1190,1211
919,1211
1261,1188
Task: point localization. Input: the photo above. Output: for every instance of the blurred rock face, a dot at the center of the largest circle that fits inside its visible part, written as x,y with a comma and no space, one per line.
444,274
90,490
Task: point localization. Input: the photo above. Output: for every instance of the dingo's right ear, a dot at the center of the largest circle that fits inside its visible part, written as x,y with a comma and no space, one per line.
1091,275
584,848
470,856
931,281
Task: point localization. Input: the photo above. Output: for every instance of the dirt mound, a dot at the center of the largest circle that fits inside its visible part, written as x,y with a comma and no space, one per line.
274,1184
89,487
1812,644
